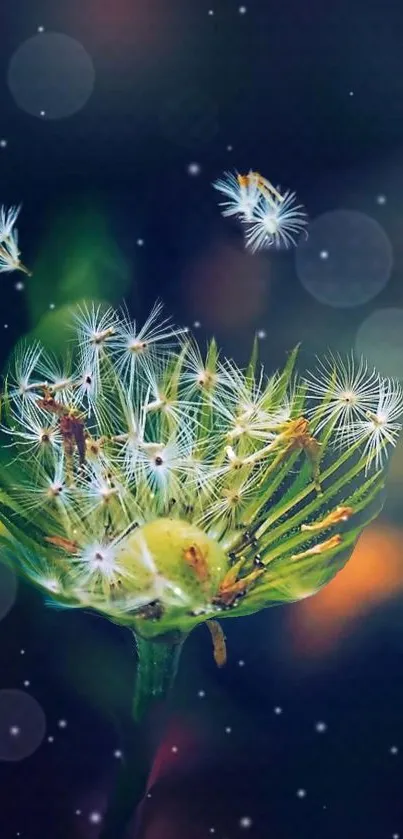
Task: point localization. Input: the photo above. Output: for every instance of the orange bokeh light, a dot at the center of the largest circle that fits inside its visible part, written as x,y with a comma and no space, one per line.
373,575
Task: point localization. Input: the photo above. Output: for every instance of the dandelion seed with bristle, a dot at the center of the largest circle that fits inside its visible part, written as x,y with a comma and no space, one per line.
381,426
242,194
7,221
9,251
276,224
342,391
138,349
166,488
272,218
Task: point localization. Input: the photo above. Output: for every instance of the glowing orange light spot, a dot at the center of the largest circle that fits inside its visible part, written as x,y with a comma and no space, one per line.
373,575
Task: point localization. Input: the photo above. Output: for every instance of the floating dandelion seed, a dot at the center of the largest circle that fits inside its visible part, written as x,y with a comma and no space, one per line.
241,192
276,224
7,221
272,219
162,487
9,251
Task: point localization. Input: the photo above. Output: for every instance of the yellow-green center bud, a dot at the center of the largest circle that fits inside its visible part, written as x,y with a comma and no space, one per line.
177,568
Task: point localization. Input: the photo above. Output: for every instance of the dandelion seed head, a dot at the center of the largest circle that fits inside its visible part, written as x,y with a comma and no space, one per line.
164,486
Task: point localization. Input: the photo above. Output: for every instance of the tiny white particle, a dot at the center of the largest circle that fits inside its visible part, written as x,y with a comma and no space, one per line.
62,724
51,305
211,12
201,694
245,822
351,93
395,836
3,143
381,199
118,754
301,793
230,148
27,683
174,749
194,169
19,286
15,730
262,334
242,10
228,729
197,324
394,750
149,795
6,326
42,113
140,242
320,727
324,254
50,739
95,818
78,812
241,663
22,652
278,710
41,28
212,830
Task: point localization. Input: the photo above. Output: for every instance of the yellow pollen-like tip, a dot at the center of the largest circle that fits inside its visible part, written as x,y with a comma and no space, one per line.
321,548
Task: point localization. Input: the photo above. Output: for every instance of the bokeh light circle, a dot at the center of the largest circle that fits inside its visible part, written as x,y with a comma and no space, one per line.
346,260
380,340
189,118
8,589
22,725
51,76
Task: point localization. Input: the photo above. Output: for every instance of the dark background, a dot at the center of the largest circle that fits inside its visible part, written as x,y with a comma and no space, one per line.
174,86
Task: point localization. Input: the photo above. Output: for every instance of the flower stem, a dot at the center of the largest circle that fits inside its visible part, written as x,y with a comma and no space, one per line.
158,661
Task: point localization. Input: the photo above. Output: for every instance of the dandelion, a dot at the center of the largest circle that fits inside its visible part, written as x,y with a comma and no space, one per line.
272,218
9,251
95,328
20,384
139,349
54,374
96,563
7,222
49,490
276,223
162,487
36,433
342,392
241,192
380,427
202,377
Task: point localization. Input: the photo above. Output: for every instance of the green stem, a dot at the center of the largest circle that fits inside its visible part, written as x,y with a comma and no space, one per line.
158,661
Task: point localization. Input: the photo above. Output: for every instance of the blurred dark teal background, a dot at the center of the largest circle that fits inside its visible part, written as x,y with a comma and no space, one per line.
311,95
